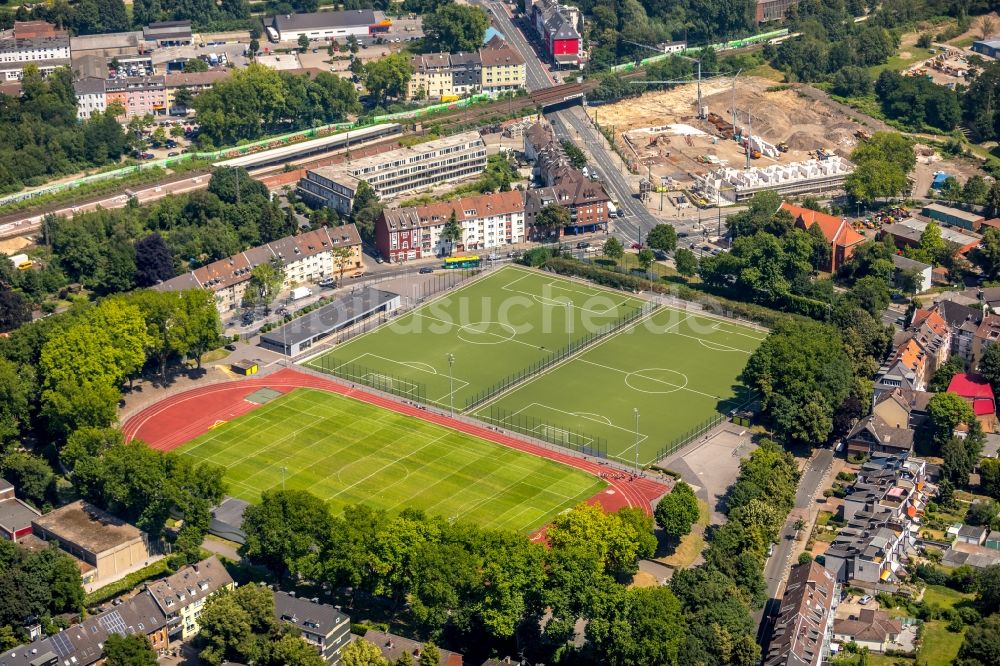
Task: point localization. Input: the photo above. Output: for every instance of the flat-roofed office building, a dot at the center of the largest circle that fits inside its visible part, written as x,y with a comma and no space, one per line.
398,171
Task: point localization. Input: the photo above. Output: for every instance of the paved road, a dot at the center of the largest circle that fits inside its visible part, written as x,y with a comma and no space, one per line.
776,567
536,76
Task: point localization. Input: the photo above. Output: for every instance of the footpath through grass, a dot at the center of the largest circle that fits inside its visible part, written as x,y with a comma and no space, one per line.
349,452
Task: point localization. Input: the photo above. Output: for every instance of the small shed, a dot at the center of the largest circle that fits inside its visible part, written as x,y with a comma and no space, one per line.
246,367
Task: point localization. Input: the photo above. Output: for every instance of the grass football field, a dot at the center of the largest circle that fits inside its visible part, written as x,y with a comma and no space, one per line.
493,328
349,452
676,368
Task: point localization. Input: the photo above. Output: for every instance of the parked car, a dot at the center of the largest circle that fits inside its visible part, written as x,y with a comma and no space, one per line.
379,260
426,270
865,599
173,153
231,347
582,245
660,255
636,246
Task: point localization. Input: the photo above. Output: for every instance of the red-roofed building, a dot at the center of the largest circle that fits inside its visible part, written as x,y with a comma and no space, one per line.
838,232
977,392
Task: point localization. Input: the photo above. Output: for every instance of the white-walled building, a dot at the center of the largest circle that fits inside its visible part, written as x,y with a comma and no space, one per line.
488,221
32,43
328,25
398,171
734,185
90,97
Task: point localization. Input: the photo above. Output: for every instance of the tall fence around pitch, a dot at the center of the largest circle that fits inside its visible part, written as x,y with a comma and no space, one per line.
681,441
377,379
574,346
548,432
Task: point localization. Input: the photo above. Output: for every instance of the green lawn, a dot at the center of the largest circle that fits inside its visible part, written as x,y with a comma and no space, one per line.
495,329
677,369
349,452
940,646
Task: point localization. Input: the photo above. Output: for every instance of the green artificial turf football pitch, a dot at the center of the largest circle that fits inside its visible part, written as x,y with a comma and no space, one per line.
492,330
349,452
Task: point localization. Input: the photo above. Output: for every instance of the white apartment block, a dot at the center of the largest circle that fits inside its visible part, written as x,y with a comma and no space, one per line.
488,221
90,98
47,53
398,171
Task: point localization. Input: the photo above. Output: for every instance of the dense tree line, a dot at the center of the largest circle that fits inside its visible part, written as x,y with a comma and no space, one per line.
979,104
485,587
822,52
40,136
453,28
882,166
114,251
102,16
39,584
917,101
257,101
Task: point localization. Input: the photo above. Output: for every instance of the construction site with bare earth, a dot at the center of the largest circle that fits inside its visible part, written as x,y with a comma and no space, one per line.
789,137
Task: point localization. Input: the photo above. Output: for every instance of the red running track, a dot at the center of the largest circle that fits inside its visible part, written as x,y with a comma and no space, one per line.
180,418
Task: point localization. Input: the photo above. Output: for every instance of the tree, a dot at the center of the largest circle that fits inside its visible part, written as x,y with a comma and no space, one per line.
387,77
987,26
644,627
265,282
362,653
238,625
942,376
132,650
430,656
451,233
882,165
286,531
192,65
852,81
646,258
613,249
677,511
17,393
662,237
365,210
454,28
292,650
947,411
803,375
153,261
352,44
31,475
14,310
303,43
615,540
342,258
254,47
988,590
183,99
981,644
687,262
234,185
871,294
552,219
577,158
989,475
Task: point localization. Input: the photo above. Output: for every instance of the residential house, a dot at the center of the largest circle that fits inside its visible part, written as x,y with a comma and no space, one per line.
964,322
802,630
503,68
558,26
181,596
90,97
882,516
873,436
466,73
307,257
83,644
15,515
432,77
972,534
320,625
908,367
194,82
838,232
903,266
979,394
903,408
933,334
987,333
566,186
106,548
872,629
486,222
393,647
138,95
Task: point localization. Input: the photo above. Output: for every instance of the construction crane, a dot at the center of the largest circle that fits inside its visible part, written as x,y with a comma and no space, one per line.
697,61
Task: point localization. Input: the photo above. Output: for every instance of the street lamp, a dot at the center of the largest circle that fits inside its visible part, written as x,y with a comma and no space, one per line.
451,381
569,324
636,410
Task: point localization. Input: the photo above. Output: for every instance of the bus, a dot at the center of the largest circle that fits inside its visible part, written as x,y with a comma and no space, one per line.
463,262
